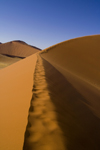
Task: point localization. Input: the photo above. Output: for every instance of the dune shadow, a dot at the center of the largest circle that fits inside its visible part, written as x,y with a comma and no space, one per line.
81,128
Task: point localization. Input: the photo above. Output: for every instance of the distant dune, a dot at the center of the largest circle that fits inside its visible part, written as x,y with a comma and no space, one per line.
22,42
18,49
64,111
14,51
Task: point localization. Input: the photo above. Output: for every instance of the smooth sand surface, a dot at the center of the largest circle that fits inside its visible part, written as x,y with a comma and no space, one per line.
6,61
16,83
19,49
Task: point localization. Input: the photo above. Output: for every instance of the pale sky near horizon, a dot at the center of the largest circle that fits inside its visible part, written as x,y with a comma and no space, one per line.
43,23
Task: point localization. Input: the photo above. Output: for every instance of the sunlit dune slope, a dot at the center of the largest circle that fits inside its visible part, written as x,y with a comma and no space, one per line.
16,83
17,48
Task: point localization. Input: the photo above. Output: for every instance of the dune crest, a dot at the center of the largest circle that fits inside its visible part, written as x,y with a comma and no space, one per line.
43,131
78,60
64,112
54,98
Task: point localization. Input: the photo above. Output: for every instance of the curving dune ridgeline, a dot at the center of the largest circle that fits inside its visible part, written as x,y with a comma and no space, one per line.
62,85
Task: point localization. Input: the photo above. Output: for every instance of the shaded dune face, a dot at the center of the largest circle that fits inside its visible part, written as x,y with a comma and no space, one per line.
64,112
78,60
79,56
43,131
66,85
59,118
18,49
81,128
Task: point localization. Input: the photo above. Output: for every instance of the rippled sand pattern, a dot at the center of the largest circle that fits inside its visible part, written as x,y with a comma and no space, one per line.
42,131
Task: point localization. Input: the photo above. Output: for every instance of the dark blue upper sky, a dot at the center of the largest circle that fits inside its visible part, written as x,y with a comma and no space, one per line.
43,23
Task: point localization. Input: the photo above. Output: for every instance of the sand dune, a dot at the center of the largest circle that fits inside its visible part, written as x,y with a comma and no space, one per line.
16,83
6,61
14,51
73,90
17,48
43,131
78,60
64,111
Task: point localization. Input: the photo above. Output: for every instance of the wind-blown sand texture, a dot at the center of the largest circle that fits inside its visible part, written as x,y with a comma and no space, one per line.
64,112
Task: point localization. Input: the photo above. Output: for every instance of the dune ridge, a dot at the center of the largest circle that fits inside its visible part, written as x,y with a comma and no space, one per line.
22,42
79,56
77,123
64,112
72,77
42,128
78,60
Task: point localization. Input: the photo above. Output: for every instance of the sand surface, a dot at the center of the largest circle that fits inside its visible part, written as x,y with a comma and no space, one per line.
55,94
78,60
71,86
43,131
6,61
16,83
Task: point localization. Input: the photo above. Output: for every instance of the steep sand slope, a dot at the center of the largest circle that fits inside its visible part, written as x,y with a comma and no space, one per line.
59,116
15,93
43,131
64,113
78,60
17,48
6,61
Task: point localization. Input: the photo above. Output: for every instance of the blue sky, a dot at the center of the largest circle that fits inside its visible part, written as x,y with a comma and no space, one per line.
43,23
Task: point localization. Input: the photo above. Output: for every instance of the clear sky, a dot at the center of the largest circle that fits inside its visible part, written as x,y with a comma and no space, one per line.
43,23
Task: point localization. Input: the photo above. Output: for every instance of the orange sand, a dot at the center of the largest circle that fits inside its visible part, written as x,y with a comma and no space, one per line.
64,112
16,83
6,61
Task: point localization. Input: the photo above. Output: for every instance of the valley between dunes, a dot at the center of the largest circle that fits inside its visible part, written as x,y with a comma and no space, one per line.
50,100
